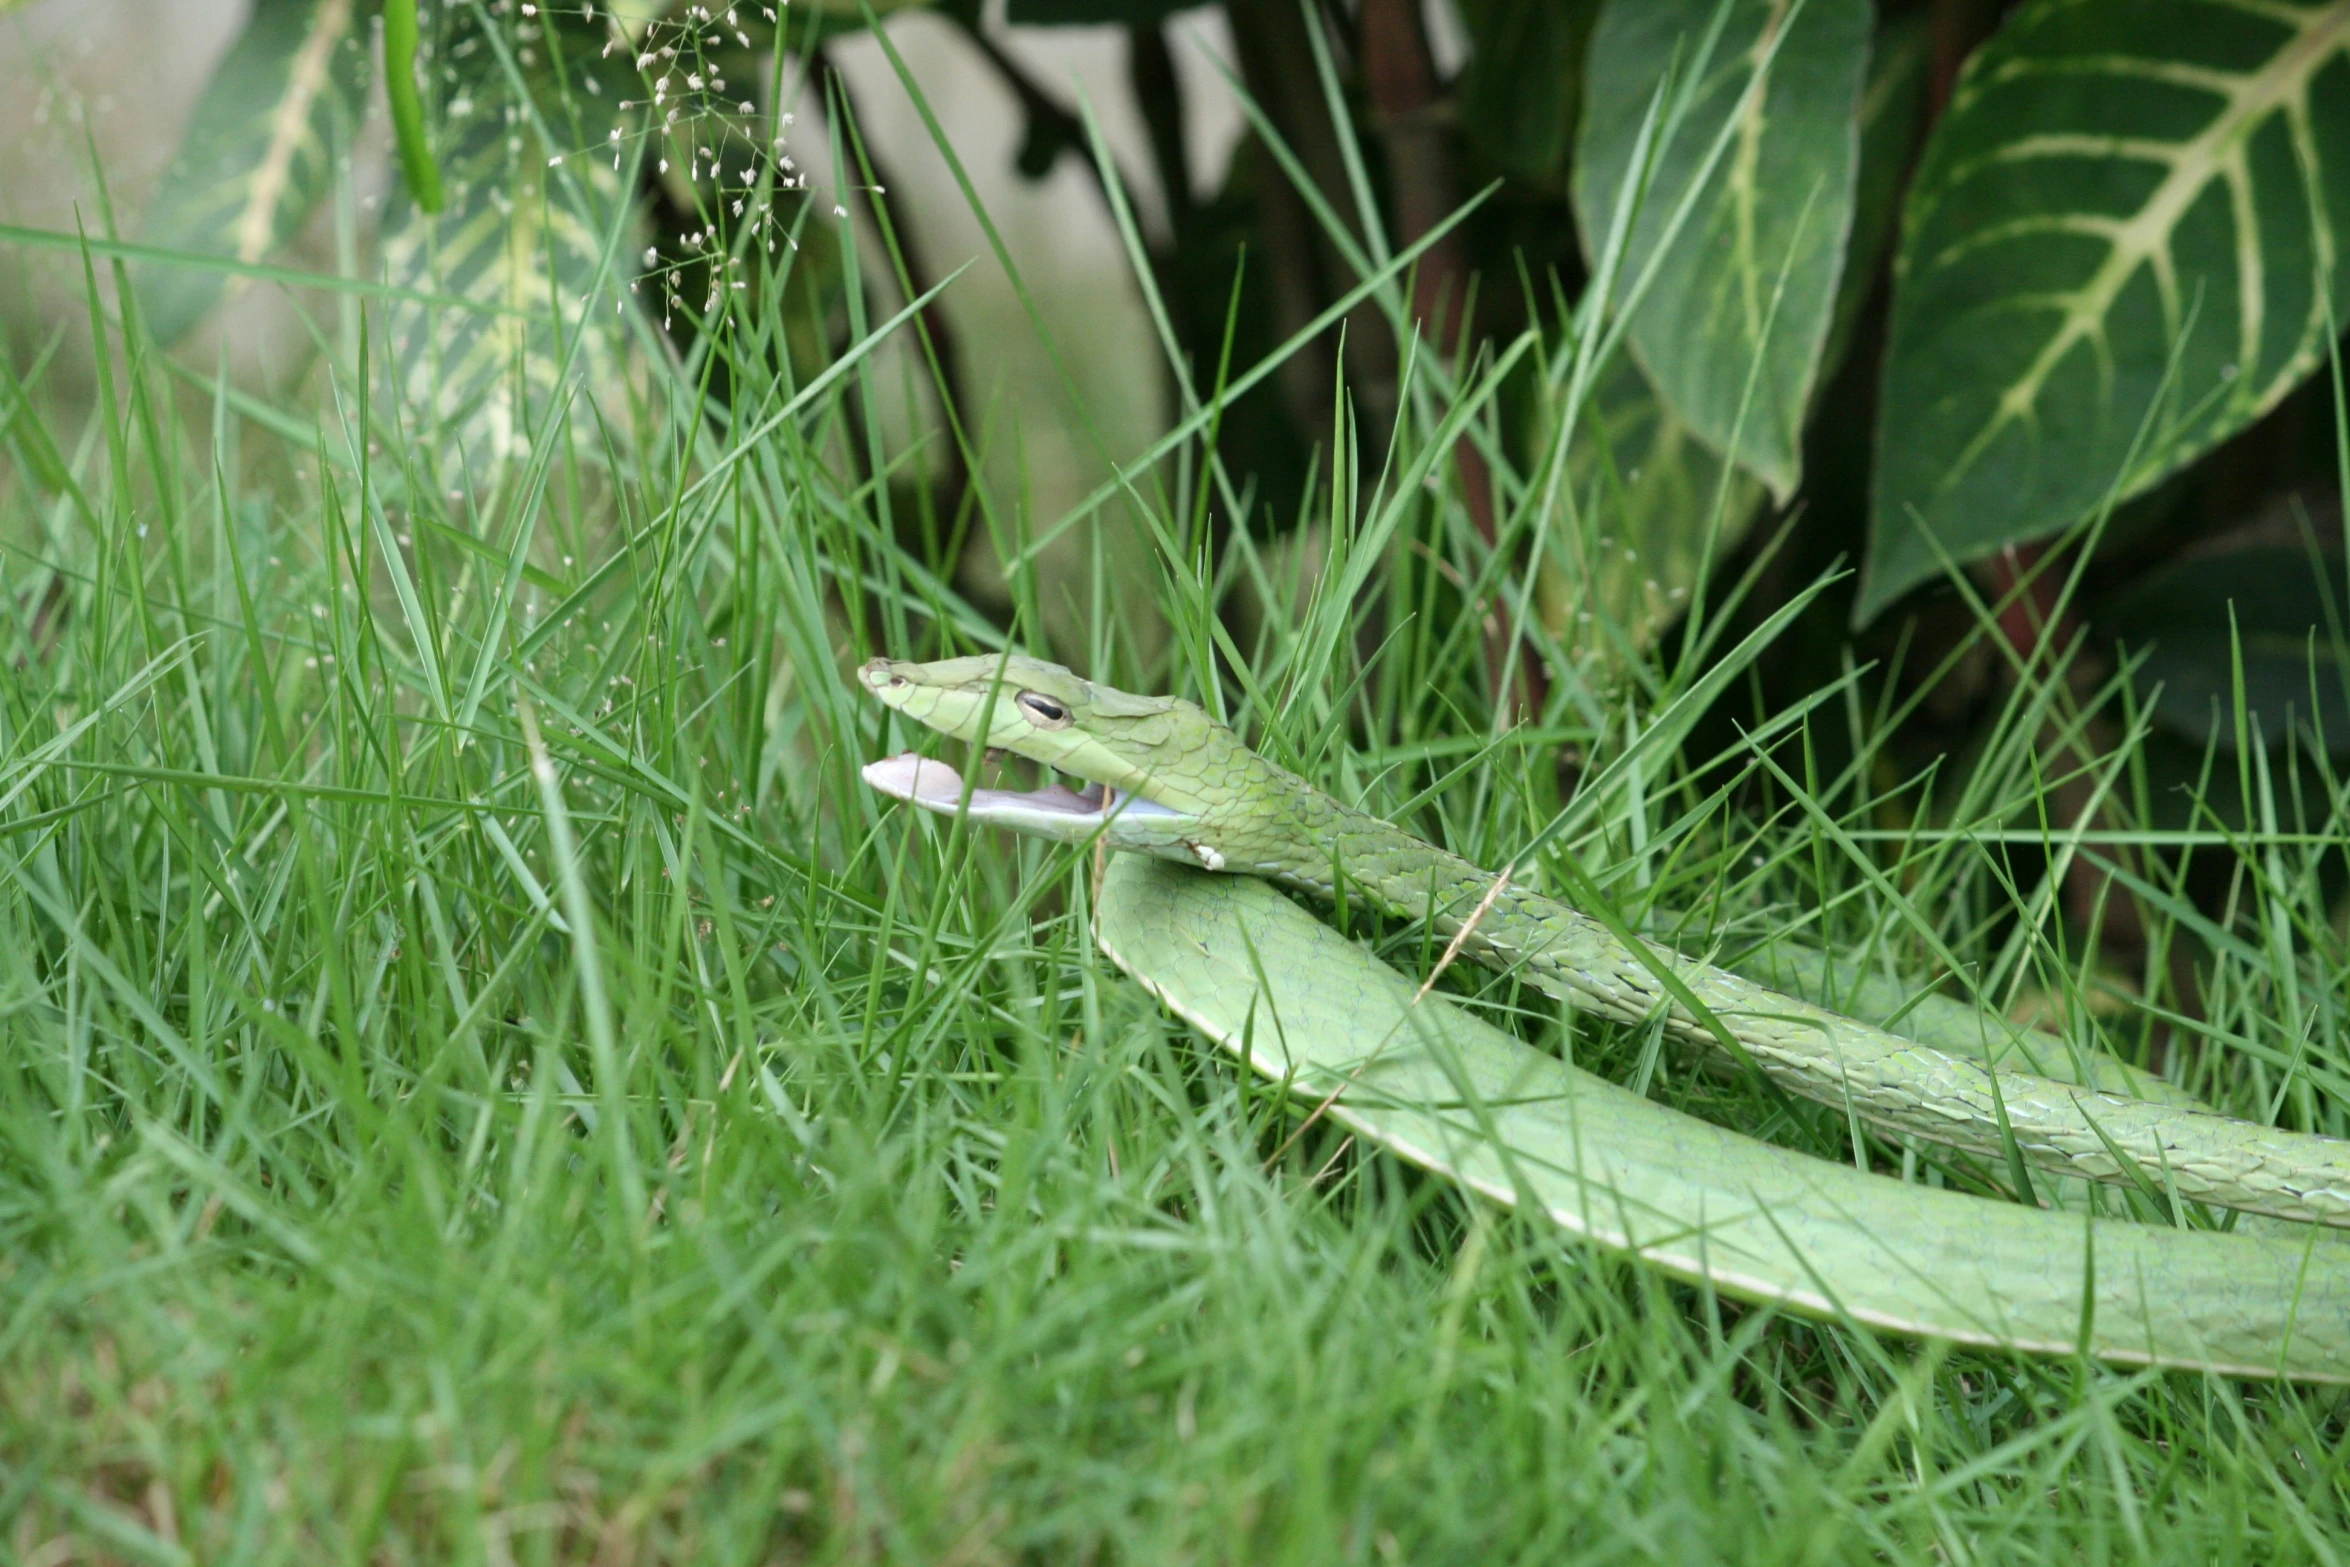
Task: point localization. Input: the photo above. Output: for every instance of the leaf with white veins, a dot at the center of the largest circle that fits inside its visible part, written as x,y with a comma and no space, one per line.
256,156
2116,255
1746,288
524,244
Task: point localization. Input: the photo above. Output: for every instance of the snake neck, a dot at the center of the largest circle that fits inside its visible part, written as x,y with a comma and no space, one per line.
1337,852
1311,842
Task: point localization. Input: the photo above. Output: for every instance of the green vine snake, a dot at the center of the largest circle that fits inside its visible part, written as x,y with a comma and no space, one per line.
1412,1072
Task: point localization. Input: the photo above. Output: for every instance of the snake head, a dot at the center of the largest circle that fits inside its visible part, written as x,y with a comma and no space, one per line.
1156,768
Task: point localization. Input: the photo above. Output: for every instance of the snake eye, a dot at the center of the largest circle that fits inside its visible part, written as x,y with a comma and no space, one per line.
1042,710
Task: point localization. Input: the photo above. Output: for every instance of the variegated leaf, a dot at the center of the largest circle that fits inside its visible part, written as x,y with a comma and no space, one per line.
516,238
256,156
2117,252
1646,494
1745,290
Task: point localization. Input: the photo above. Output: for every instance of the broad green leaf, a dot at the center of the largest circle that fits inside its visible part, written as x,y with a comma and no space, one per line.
2114,256
1619,566
1522,89
255,158
2262,596
1746,287
511,236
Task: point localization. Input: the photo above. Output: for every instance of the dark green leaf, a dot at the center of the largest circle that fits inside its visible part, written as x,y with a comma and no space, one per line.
255,157
2113,257
1520,93
2268,593
1745,290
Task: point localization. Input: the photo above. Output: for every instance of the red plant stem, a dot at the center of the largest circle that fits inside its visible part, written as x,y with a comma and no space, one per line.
2036,622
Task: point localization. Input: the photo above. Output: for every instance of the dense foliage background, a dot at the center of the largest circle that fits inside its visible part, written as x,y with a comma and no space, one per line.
1946,282
480,1079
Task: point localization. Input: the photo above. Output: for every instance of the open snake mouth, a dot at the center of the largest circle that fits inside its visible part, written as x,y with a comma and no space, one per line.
1055,811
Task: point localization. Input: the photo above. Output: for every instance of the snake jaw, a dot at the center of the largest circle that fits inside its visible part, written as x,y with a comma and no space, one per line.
1055,811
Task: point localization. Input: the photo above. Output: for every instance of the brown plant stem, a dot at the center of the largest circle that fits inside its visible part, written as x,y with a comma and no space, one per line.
1302,266
1958,28
1399,74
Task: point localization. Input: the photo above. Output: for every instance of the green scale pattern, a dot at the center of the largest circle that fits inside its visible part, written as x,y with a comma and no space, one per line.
1308,1008
2075,1128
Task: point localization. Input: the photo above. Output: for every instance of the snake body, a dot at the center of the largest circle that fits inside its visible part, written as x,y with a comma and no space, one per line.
1889,1081
1168,781
1420,1077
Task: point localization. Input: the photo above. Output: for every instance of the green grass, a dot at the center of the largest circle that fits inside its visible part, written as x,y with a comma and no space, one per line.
481,1080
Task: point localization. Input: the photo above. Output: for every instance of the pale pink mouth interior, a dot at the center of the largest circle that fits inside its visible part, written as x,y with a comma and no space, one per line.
940,788
937,787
